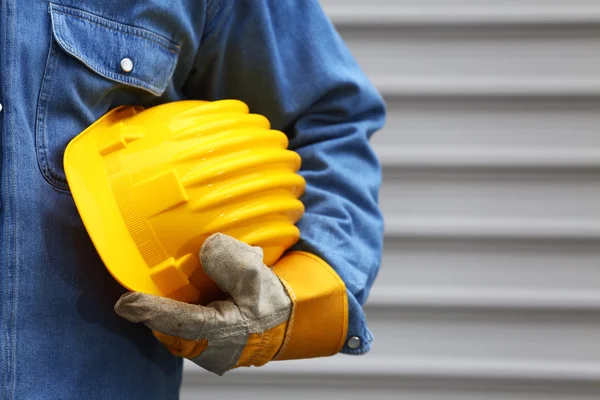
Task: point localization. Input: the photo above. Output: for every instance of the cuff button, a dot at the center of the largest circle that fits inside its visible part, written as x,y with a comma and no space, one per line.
354,342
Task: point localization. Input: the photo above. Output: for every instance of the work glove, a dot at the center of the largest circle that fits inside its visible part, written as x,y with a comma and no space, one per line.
297,309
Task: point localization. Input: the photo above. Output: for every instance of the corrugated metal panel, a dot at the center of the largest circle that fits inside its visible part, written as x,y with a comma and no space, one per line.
490,284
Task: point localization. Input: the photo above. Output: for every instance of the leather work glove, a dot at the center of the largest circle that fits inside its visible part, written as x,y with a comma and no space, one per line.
297,309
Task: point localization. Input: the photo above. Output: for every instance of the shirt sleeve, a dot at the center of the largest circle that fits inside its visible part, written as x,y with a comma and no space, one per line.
286,60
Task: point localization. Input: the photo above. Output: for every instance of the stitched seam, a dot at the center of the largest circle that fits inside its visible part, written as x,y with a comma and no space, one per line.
225,332
237,329
5,349
267,322
118,27
40,136
222,332
5,353
12,211
235,356
286,339
259,352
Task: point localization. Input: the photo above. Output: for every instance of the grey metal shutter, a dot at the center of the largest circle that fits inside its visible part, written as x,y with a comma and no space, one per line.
490,284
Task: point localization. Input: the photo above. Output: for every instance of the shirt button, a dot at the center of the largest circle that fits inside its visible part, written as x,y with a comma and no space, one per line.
126,64
354,342
0,106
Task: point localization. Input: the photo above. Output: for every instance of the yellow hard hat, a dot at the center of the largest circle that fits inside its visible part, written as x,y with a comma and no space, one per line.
152,184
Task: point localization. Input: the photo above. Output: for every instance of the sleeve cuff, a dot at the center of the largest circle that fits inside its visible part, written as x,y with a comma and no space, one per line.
359,338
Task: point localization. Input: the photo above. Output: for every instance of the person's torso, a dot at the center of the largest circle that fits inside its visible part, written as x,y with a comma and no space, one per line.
62,66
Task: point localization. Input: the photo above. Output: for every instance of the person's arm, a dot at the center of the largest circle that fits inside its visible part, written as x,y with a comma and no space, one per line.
286,61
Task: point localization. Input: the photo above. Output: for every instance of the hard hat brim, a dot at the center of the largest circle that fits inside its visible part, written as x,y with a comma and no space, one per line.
88,182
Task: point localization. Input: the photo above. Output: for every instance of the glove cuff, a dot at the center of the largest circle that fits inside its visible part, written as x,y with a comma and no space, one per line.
319,322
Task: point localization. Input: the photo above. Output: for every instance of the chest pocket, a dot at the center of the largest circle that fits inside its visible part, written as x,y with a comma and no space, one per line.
93,65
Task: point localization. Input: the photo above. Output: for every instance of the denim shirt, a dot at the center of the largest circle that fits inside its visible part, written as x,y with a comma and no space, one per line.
61,69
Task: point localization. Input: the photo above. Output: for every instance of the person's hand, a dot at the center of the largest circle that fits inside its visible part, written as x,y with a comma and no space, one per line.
271,314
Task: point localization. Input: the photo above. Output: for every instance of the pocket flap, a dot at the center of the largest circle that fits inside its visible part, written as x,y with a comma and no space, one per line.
102,45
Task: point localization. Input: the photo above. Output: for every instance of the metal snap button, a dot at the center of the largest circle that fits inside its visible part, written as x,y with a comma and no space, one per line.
126,64
354,342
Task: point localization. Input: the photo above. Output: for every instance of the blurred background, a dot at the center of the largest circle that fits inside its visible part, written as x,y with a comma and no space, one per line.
490,282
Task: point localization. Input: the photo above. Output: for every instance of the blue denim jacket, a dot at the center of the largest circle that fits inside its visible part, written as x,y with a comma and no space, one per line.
60,70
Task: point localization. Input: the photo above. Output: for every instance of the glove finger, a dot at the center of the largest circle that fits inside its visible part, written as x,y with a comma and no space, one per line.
239,270
234,265
175,318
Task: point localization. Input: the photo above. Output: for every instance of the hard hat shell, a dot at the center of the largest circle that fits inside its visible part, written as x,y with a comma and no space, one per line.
152,184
